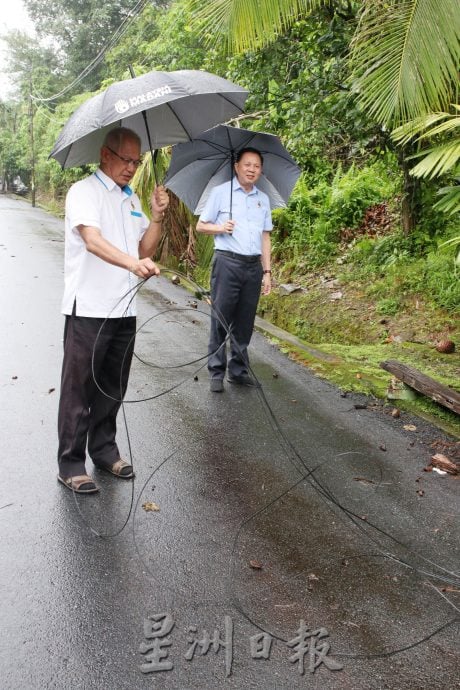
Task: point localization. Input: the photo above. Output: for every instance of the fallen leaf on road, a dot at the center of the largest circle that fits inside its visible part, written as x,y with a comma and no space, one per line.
443,462
150,507
395,413
382,446
256,565
410,427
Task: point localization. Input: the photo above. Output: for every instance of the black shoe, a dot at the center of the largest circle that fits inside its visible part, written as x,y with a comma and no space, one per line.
243,380
216,385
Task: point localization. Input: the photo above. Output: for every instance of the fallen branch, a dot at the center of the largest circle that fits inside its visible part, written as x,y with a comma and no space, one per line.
424,384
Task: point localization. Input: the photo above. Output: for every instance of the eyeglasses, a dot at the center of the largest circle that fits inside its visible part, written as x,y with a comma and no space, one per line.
129,161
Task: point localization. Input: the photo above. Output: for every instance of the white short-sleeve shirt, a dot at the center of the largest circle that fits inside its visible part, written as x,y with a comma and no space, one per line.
98,288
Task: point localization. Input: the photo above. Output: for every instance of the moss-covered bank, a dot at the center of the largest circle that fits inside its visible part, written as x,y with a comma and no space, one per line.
333,317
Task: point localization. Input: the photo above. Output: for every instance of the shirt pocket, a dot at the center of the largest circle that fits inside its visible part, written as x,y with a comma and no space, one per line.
223,215
133,228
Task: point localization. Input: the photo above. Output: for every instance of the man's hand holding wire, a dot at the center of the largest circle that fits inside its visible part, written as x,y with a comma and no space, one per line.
144,268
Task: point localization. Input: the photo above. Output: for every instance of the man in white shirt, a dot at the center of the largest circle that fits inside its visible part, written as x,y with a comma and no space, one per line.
108,245
238,214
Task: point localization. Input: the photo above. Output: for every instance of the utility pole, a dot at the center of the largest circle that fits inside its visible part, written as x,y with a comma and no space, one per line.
32,147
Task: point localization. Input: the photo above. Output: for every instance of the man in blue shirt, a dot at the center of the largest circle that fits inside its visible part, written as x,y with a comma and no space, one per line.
239,217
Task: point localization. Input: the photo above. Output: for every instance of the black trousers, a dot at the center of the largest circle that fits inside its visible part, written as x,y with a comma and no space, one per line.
235,292
87,415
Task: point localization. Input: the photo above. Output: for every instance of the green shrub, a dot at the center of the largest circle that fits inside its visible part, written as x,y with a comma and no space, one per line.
312,222
396,272
381,252
442,280
355,191
388,306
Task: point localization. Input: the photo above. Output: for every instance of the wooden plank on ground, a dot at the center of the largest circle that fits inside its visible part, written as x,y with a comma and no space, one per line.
424,384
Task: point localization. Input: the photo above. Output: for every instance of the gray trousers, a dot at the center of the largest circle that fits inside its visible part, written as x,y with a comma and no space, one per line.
86,415
235,291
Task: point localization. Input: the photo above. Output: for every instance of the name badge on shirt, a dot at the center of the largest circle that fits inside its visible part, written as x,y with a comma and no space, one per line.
136,213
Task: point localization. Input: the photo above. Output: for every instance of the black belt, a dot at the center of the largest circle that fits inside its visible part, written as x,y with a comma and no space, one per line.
247,258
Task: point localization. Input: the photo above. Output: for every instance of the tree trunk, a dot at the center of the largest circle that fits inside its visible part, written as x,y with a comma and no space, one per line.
410,206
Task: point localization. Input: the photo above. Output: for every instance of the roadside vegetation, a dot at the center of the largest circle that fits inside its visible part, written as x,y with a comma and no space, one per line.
363,94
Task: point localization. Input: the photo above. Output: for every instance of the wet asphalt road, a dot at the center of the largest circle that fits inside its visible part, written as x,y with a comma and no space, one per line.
290,478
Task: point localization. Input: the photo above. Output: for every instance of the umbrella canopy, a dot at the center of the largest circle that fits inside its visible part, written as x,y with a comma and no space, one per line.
199,165
178,106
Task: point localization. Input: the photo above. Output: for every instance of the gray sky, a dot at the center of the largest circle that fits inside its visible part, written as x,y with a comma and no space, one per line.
12,16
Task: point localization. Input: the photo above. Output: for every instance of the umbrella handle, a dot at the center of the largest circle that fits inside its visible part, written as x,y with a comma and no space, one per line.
232,164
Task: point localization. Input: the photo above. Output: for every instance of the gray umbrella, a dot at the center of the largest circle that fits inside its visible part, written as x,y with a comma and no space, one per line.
178,106
199,165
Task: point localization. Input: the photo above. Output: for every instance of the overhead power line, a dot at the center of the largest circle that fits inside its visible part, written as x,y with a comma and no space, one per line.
133,14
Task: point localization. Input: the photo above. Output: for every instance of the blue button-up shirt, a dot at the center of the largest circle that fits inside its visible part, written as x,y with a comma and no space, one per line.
250,211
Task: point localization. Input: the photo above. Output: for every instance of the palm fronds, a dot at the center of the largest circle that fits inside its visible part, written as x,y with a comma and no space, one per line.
441,157
450,203
406,55
248,24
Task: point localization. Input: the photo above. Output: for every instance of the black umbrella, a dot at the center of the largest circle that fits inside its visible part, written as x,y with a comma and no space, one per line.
177,105
201,164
